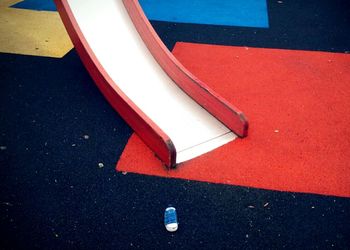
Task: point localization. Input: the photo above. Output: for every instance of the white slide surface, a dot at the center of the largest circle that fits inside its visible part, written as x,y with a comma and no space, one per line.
120,50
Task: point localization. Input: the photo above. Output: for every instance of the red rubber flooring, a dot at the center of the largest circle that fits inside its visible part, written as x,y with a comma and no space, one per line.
297,104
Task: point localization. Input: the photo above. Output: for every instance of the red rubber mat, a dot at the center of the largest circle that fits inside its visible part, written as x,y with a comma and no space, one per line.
297,103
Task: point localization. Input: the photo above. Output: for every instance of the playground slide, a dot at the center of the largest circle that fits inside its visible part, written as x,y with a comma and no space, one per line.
174,113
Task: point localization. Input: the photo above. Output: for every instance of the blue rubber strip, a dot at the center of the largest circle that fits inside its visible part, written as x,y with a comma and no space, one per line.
47,5
246,13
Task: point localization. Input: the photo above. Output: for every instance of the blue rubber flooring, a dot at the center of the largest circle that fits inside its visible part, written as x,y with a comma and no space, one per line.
247,13
47,5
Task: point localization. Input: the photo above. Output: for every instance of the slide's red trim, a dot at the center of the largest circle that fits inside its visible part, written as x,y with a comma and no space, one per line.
150,133
229,115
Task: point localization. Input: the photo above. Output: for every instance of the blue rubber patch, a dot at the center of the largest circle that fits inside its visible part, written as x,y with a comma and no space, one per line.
246,13
47,5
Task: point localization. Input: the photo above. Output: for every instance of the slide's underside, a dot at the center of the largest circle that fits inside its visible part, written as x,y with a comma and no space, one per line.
174,113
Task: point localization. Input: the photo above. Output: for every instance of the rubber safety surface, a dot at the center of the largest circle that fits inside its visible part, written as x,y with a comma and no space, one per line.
297,103
56,128
26,29
248,13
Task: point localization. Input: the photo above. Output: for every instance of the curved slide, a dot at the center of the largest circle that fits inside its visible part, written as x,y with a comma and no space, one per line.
172,111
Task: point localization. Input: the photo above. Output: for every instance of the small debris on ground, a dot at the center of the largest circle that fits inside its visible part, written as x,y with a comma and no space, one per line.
100,165
86,137
7,204
276,131
170,219
266,204
124,173
251,206
3,147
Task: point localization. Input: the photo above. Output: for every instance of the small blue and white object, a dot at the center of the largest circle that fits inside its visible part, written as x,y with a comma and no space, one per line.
170,219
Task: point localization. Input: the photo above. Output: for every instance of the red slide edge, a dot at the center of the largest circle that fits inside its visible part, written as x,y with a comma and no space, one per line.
224,111
148,131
